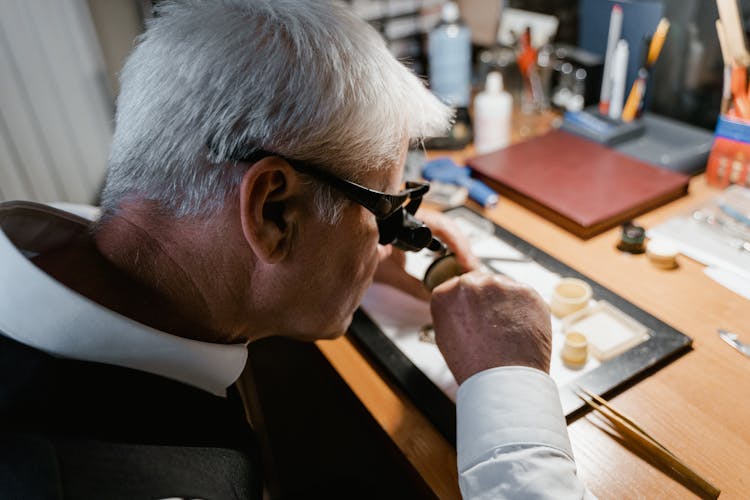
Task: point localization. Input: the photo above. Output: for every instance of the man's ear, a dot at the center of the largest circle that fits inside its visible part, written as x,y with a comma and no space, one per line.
268,197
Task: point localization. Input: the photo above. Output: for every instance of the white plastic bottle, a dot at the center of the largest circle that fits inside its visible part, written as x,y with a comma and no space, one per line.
493,108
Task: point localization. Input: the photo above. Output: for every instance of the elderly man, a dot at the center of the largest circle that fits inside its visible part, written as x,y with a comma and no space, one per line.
255,145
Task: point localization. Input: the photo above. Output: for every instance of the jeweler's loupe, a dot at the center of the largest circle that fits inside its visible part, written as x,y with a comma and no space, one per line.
441,270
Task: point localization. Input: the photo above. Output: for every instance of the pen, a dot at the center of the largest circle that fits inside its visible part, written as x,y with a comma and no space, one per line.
734,213
733,32
735,55
615,27
726,89
735,77
619,73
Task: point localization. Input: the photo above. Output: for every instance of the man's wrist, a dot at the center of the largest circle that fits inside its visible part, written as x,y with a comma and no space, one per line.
496,369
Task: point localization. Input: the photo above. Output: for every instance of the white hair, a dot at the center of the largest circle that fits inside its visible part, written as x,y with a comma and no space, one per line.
305,79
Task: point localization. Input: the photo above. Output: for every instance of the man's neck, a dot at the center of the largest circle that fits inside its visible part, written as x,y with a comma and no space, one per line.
148,274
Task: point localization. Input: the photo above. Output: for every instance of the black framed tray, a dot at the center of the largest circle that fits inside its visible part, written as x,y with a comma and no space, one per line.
663,345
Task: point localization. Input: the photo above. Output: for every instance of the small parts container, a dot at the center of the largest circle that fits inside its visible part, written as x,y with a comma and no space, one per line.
608,330
662,254
570,295
575,351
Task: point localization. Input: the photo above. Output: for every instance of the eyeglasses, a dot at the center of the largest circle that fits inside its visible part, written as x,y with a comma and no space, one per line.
394,212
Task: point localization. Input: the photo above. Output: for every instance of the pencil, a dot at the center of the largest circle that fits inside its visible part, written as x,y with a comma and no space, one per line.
635,97
657,42
634,104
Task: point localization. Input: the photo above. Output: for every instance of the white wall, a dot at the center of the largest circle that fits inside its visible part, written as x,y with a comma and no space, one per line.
55,109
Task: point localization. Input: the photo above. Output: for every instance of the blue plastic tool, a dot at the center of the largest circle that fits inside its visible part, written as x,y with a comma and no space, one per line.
446,171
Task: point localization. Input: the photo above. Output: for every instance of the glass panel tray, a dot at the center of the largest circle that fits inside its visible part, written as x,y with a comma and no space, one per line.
387,328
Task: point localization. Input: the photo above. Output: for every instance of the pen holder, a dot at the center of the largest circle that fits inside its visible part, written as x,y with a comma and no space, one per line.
592,125
655,139
729,161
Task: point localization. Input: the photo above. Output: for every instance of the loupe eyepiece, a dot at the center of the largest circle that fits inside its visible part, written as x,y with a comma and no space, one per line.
404,231
413,235
390,227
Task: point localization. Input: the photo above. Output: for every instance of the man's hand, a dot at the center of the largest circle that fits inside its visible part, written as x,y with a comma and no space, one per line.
391,272
446,230
484,321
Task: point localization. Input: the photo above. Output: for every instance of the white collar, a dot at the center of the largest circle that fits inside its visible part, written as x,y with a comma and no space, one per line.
41,312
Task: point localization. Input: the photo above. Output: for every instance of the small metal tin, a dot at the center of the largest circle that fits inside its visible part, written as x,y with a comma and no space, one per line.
632,238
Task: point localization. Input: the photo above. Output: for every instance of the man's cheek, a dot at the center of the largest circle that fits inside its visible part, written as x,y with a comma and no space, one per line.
384,251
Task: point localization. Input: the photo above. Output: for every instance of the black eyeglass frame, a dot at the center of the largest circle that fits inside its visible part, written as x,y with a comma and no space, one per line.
381,204
394,211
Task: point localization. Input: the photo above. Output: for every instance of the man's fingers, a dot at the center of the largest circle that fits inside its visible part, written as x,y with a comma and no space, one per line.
448,231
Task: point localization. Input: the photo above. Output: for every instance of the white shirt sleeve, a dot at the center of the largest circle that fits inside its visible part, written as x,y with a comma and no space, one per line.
512,439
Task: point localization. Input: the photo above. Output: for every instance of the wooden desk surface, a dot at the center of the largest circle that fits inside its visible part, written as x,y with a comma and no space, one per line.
698,405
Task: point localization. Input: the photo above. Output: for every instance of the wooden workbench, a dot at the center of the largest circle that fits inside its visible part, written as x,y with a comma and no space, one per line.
698,405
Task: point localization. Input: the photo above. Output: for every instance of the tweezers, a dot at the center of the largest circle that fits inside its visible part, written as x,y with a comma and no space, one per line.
732,339
629,428
488,261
